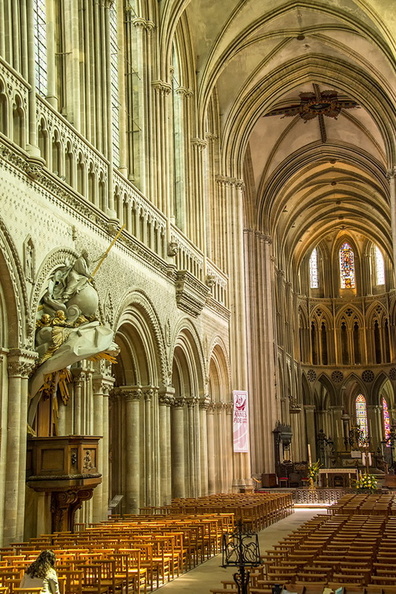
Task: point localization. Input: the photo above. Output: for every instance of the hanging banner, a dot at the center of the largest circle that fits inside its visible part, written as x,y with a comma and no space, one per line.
241,421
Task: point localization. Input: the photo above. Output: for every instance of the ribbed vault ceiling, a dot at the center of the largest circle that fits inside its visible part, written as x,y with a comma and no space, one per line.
306,179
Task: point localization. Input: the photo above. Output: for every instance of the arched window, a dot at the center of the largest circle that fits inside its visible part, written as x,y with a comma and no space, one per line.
379,267
313,270
347,267
361,418
115,101
386,419
40,46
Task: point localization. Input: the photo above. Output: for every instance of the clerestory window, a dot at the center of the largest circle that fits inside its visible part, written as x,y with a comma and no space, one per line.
40,46
347,267
313,270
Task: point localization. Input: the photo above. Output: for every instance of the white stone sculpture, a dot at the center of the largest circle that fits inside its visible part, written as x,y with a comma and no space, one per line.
67,329
83,342
70,285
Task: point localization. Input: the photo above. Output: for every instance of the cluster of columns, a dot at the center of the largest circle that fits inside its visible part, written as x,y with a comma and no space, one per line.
15,365
168,446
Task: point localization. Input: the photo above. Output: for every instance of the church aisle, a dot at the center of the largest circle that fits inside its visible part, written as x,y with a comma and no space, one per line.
210,574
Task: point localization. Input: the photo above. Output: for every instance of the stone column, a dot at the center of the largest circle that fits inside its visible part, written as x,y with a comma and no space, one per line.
178,449
228,409
310,426
337,432
211,448
100,499
78,381
233,190
204,461
20,363
198,212
375,425
131,463
160,133
143,169
193,447
391,175
166,399
261,338
148,445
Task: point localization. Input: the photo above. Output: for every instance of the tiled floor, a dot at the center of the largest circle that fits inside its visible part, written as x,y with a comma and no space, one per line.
210,574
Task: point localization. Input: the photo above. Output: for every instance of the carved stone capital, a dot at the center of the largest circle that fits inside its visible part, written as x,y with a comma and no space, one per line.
204,403
79,375
20,362
230,181
143,23
184,92
199,143
166,399
161,87
179,402
148,393
128,393
391,173
229,408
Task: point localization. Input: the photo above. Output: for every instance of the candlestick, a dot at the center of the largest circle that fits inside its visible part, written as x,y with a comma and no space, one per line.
309,455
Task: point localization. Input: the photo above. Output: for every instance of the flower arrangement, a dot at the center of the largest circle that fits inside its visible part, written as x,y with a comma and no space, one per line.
366,482
313,470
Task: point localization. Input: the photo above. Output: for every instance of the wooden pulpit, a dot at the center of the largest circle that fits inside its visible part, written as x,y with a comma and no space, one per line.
65,467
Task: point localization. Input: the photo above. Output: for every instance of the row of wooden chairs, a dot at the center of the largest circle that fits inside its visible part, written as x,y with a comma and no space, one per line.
364,503
350,550
134,555
256,510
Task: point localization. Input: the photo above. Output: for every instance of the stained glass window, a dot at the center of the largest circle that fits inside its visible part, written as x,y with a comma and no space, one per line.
40,46
115,103
347,267
361,417
313,270
379,267
386,418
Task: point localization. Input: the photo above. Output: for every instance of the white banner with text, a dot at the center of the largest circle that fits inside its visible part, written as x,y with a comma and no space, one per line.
241,421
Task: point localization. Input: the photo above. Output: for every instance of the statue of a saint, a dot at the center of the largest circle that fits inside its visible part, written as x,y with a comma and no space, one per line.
77,277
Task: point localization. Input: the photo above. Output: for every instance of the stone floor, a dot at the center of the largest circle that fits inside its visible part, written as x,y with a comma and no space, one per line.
210,574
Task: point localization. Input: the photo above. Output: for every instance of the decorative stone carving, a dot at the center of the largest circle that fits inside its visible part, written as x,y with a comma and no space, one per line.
368,376
67,330
29,259
173,248
191,294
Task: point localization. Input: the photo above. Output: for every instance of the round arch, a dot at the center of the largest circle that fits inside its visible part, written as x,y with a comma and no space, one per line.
219,374
15,322
188,369
142,360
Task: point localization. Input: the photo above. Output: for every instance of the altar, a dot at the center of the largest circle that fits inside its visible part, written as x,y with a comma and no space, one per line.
337,477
